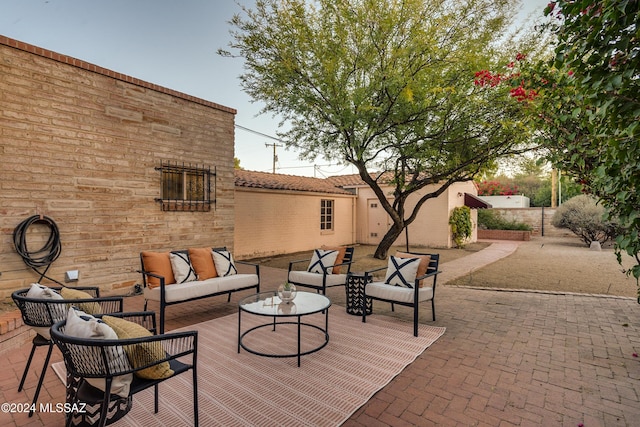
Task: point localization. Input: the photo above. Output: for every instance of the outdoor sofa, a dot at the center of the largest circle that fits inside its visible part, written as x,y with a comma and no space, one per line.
186,275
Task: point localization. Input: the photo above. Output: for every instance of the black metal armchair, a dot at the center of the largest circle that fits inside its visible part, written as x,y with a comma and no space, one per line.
411,296
93,358
41,314
329,277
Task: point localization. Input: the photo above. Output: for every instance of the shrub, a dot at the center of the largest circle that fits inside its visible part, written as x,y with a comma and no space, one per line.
585,218
488,219
460,221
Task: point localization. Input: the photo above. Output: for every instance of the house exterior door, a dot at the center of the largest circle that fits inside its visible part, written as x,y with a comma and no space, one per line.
377,222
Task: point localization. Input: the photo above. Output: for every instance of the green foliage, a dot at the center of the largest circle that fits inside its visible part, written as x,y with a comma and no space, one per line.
387,86
589,108
460,222
586,219
489,219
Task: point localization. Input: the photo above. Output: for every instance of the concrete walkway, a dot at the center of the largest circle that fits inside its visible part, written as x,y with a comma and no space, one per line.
506,359
462,266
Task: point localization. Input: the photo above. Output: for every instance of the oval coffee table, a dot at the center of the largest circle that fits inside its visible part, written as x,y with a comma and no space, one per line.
268,304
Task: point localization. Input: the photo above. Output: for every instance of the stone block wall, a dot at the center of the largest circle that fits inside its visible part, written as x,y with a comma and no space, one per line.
538,218
80,144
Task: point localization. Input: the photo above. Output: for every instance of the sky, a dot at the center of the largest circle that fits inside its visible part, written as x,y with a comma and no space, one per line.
171,43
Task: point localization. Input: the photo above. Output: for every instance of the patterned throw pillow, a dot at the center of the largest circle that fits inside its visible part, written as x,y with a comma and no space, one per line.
322,259
182,270
342,250
402,271
83,325
424,263
225,266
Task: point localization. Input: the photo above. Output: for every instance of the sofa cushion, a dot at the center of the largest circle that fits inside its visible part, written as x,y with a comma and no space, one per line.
141,354
397,293
322,259
181,267
223,260
422,267
158,263
202,262
402,271
202,288
83,325
315,279
342,250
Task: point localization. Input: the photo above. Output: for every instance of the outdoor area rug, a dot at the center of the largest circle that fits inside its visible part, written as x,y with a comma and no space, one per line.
249,390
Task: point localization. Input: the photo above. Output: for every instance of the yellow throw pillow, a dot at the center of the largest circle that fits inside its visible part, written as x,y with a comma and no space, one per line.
87,307
141,354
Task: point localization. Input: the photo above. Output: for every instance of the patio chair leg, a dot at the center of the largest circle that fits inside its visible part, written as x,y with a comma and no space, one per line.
42,374
155,398
433,309
195,397
26,368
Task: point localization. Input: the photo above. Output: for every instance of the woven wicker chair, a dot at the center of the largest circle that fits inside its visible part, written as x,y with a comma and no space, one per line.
43,313
93,358
405,296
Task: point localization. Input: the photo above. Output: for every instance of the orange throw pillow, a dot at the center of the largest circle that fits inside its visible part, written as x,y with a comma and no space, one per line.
202,262
422,267
341,251
158,263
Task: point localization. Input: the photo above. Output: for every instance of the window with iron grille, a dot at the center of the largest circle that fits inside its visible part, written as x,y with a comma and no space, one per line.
326,214
186,187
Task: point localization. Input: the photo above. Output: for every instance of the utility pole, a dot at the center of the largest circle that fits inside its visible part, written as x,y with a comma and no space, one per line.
275,156
554,194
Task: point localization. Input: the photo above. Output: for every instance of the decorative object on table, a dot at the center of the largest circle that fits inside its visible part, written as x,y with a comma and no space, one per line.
287,309
287,292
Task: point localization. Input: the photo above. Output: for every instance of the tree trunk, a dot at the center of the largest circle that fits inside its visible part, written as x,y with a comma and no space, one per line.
383,247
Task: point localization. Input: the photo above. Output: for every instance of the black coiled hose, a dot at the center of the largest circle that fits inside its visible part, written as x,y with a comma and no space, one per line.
47,254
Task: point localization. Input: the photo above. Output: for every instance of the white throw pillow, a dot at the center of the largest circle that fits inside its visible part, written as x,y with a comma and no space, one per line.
38,291
223,260
182,270
83,325
402,271
322,259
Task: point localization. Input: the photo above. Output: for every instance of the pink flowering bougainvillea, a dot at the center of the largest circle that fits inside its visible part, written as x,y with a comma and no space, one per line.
519,92
496,188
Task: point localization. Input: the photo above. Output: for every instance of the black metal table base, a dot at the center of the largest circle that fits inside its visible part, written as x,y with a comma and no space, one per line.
274,324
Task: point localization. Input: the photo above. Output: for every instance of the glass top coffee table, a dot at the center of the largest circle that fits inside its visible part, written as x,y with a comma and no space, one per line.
268,304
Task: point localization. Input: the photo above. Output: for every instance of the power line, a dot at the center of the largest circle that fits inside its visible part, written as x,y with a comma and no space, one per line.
258,133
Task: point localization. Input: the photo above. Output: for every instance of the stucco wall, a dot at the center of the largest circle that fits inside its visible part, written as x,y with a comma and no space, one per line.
279,222
80,145
431,228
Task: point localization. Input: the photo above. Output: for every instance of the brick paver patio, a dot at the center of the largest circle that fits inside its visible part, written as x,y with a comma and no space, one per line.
506,359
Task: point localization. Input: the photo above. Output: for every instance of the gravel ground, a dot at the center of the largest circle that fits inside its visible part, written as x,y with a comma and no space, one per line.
557,264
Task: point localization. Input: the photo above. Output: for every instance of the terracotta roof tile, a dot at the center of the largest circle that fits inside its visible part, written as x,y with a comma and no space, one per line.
252,179
355,180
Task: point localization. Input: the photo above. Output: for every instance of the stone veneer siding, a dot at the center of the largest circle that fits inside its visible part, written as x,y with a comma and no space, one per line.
80,144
